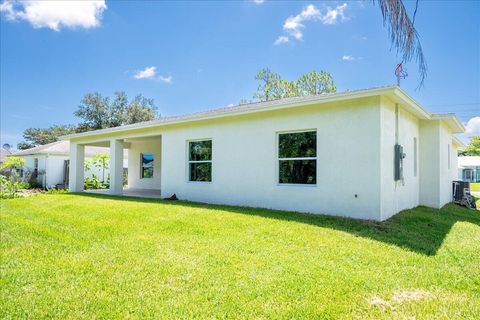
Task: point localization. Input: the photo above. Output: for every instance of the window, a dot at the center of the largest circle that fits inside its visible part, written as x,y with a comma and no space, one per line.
468,175
147,161
200,160
415,156
35,167
448,155
297,158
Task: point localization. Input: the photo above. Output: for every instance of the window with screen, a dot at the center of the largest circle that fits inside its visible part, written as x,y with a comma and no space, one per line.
297,158
200,161
147,161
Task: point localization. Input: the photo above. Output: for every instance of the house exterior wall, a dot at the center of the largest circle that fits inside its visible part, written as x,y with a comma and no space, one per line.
448,164
245,165
30,164
355,158
438,164
134,161
398,195
52,168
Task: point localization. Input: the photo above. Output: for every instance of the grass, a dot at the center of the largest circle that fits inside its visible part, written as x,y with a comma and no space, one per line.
475,187
91,256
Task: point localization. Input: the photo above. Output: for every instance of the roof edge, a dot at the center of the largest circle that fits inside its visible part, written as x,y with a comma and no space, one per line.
241,110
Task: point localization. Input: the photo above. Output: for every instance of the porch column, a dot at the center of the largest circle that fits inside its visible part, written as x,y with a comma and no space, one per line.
116,166
76,167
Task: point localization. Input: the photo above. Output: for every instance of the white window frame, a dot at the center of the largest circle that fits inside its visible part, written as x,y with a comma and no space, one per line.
196,161
278,159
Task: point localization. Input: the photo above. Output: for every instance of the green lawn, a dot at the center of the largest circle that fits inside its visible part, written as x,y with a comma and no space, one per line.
475,187
85,256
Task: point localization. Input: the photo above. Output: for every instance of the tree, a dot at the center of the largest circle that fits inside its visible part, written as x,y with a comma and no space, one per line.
94,110
283,89
268,80
273,87
40,136
403,35
473,148
140,109
12,163
98,113
101,161
314,83
118,110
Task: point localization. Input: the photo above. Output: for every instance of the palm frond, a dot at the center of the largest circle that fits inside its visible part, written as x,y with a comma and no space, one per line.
403,35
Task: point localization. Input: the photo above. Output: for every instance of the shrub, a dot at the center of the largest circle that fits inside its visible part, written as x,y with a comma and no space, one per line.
9,187
94,183
56,191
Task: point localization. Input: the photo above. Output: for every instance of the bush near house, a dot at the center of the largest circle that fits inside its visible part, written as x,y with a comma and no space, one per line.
91,256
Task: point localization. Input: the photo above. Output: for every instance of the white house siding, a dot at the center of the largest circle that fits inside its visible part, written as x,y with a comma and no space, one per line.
30,164
52,167
448,166
355,156
245,161
398,195
134,155
436,178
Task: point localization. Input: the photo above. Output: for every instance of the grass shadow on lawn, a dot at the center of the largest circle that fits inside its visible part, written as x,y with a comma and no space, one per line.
421,229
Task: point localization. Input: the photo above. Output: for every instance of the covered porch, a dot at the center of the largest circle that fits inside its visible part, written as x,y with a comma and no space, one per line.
143,155
131,192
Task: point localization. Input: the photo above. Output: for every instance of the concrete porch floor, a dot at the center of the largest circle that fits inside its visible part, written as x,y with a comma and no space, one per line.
129,192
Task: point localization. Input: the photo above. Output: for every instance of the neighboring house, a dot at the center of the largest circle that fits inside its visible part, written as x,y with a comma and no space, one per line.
3,155
469,168
50,162
364,154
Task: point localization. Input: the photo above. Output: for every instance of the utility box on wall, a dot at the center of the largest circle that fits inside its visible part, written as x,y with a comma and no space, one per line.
399,156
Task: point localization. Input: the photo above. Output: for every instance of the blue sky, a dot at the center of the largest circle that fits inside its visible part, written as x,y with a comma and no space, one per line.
205,54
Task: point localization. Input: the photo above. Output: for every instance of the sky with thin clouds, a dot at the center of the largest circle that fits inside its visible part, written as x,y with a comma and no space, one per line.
192,56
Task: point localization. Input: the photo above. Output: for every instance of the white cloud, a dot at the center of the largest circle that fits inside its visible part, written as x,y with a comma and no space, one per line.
55,14
147,73
281,40
258,1
472,128
151,73
333,15
166,79
294,24
349,57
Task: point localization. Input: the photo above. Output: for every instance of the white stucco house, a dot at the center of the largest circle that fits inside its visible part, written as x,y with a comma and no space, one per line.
51,162
469,168
364,154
